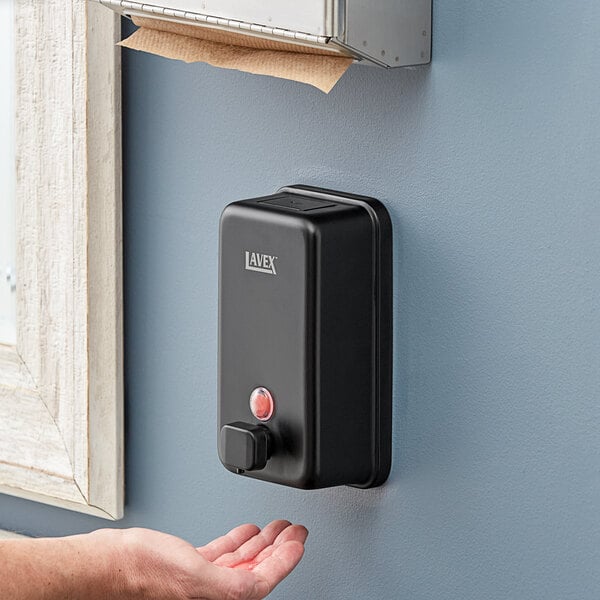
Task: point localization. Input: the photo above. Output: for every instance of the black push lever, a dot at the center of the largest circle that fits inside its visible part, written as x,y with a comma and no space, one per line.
245,447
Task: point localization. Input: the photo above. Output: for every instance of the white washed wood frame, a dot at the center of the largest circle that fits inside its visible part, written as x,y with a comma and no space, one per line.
9,535
61,386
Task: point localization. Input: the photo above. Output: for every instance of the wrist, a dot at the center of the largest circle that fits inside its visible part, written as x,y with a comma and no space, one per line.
131,568
102,564
108,571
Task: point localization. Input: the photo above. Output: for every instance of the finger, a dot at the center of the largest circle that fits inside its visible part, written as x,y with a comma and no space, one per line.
253,546
229,542
294,533
276,567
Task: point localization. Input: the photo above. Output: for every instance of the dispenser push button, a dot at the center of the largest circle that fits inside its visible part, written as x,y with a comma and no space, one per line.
245,447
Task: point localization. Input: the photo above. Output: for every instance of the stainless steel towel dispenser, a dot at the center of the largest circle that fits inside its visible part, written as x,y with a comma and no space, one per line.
388,33
305,339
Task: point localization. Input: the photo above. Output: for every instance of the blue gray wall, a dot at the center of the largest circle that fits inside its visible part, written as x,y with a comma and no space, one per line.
489,162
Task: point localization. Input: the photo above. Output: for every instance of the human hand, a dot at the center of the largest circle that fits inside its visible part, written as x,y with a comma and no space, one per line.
245,564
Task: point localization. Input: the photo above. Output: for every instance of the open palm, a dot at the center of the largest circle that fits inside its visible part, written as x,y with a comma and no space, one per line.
245,564
268,555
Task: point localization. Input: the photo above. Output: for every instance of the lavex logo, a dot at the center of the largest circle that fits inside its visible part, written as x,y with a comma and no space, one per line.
263,263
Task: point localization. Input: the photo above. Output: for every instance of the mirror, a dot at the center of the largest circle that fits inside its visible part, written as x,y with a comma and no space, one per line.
7,176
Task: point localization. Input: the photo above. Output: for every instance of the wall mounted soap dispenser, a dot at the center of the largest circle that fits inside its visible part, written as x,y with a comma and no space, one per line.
305,339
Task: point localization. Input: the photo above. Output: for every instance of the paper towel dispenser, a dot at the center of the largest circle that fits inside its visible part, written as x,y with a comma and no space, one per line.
388,33
305,339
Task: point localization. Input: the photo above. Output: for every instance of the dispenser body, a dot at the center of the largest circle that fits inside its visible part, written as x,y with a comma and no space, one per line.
305,316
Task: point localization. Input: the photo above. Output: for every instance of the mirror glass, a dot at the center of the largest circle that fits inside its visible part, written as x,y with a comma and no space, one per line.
7,175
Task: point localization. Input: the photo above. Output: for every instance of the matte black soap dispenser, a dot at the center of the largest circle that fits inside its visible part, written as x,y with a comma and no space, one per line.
305,339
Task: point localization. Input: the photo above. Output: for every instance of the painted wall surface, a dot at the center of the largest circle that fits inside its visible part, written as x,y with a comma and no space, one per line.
489,162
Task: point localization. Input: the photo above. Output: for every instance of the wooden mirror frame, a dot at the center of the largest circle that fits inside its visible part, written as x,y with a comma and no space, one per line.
61,386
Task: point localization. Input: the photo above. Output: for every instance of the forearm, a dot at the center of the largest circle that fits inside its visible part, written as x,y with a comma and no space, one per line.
141,564
70,568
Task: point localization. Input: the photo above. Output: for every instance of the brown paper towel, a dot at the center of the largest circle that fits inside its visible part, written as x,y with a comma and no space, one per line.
230,50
